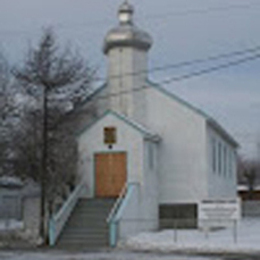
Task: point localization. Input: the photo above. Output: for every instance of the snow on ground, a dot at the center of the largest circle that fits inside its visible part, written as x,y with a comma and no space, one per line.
10,224
116,255
242,238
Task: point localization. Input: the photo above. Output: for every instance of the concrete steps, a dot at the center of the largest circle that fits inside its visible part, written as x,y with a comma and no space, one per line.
87,228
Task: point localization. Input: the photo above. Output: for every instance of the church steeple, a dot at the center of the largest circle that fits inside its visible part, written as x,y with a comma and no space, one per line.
126,47
126,33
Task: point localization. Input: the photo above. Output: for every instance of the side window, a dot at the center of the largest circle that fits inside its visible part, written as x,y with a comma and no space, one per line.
219,157
233,168
151,155
214,154
224,160
230,159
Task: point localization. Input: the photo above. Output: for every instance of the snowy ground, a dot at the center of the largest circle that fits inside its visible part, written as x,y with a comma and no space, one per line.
164,245
243,238
116,255
10,224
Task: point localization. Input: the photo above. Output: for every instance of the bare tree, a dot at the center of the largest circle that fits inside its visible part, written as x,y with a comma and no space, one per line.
53,71
7,113
4,81
249,175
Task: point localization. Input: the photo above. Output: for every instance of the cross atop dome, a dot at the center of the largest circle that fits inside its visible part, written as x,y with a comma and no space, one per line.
125,13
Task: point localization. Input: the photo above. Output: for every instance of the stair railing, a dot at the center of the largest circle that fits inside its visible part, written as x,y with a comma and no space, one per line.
58,221
117,203
117,211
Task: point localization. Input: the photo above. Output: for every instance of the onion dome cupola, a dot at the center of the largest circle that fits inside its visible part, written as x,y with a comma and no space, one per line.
126,34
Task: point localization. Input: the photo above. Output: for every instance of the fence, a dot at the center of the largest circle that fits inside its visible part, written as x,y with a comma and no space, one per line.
251,208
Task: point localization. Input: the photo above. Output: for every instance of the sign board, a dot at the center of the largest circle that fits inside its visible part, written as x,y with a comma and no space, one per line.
218,213
219,210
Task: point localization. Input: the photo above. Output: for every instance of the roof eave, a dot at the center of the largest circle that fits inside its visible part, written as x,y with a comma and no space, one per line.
153,138
217,127
147,134
208,119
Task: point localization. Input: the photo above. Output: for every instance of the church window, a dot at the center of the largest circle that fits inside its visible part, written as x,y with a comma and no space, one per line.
109,135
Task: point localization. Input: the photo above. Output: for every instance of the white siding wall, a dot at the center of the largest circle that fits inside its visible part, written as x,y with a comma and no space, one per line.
141,213
127,61
221,166
151,187
182,151
130,223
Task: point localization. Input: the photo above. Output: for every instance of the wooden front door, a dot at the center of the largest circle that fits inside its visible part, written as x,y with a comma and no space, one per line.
110,171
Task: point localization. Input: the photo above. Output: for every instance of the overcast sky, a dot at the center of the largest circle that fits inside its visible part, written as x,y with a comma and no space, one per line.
183,30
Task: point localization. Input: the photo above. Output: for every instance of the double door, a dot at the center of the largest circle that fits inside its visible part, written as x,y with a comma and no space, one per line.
110,173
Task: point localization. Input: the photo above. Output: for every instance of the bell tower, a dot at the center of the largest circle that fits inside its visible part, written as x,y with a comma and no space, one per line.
126,47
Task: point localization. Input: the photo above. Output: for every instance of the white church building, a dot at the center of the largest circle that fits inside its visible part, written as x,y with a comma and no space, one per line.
156,154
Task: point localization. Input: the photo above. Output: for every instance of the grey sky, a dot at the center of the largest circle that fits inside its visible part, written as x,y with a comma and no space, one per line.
182,30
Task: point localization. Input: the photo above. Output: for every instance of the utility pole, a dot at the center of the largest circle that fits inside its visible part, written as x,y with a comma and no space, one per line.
44,168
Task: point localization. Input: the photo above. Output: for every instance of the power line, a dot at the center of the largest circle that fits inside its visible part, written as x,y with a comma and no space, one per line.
211,69
185,76
180,78
202,11
168,14
185,63
188,75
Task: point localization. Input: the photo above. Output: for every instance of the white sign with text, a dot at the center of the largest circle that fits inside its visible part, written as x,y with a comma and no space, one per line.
218,212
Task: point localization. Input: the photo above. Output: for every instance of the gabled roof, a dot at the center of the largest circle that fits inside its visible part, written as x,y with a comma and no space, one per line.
140,128
210,121
90,97
80,107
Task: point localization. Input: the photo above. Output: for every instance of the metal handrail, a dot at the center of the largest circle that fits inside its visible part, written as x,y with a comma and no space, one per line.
117,203
58,221
117,212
